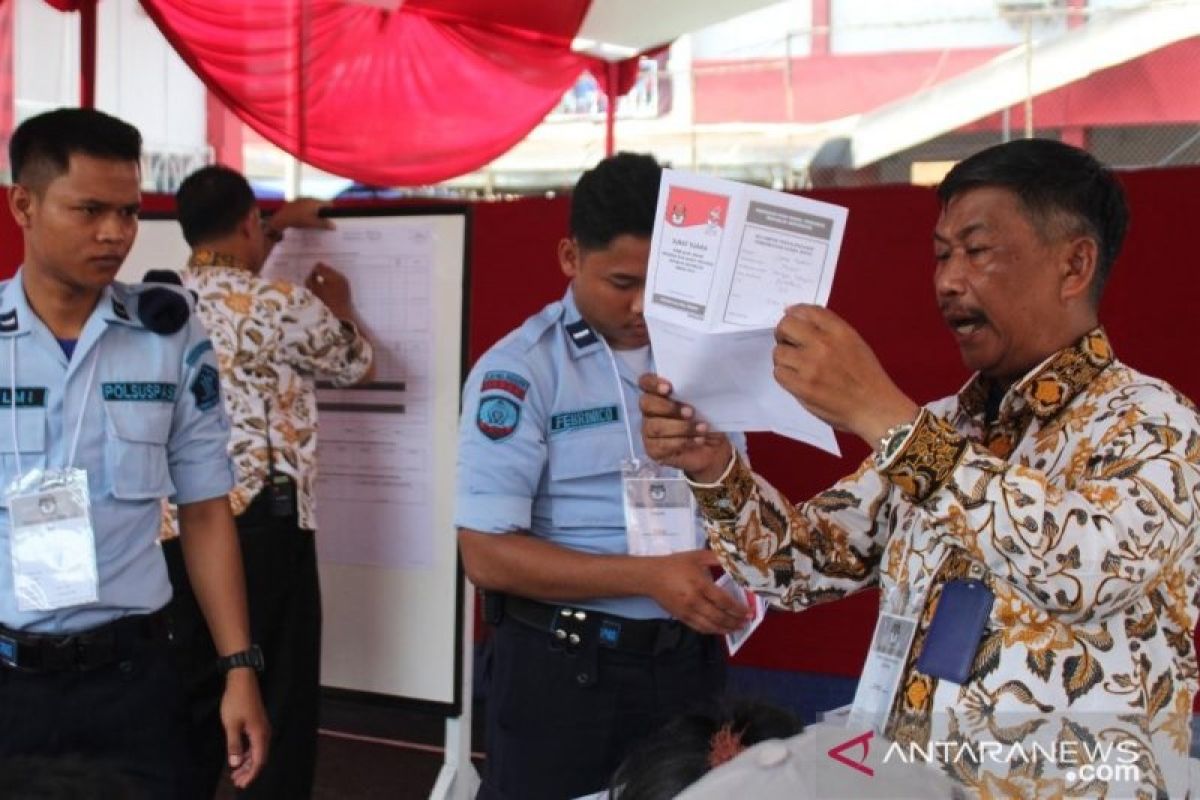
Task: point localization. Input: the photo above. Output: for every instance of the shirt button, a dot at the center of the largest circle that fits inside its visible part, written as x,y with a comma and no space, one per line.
772,754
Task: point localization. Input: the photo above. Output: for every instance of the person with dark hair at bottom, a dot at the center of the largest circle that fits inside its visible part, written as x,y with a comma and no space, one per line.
111,401
593,648
273,341
686,748
1038,532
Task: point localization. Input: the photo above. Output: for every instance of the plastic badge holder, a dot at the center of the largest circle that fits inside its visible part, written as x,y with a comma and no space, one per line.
53,547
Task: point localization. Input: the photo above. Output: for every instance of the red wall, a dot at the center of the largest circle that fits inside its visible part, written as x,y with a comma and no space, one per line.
884,287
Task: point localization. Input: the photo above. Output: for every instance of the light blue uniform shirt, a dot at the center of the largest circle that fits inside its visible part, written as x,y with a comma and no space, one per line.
154,426
542,439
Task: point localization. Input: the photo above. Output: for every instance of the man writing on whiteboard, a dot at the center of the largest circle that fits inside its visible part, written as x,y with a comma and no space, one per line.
273,341
593,647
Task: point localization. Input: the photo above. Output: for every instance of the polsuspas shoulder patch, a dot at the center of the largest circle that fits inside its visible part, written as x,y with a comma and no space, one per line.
206,387
498,417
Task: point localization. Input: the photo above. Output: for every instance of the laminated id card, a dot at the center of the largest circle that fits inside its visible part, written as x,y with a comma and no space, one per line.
660,512
53,548
890,645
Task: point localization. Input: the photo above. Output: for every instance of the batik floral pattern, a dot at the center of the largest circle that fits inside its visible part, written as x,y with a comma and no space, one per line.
1077,506
273,341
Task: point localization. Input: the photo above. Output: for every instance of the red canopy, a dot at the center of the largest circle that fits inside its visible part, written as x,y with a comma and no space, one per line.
415,95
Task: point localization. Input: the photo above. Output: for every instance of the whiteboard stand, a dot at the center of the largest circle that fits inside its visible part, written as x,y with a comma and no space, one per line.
458,779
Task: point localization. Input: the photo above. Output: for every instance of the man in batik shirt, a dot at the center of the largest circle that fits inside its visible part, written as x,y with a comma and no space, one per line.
273,340
1061,479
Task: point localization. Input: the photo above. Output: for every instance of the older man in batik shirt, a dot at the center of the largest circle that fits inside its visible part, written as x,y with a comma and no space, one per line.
273,341
1063,480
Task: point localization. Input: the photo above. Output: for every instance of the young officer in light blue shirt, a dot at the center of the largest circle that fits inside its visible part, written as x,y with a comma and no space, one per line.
593,648
109,402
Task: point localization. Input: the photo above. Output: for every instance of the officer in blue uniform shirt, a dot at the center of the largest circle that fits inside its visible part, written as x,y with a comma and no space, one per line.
112,392
593,648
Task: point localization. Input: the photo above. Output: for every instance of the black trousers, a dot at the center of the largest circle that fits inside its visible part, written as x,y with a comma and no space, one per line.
127,716
551,738
284,596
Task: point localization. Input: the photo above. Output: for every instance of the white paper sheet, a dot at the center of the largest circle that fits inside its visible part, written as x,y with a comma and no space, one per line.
376,441
753,603
726,260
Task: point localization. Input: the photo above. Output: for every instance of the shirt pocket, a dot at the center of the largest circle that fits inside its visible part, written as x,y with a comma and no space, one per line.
31,440
136,449
585,479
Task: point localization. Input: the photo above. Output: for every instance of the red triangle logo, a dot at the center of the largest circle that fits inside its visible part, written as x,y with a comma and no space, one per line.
837,753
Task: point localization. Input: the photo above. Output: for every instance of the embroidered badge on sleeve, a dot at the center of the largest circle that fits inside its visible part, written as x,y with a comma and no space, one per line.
206,387
498,417
502,381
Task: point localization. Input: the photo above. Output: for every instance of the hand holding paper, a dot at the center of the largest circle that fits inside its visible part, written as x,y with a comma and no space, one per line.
672,435
726,260
826,365
681,584
754,602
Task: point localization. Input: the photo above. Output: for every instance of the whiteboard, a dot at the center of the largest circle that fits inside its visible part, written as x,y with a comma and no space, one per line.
392,598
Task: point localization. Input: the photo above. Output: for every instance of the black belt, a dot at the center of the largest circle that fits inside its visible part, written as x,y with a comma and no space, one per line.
576,627
85,650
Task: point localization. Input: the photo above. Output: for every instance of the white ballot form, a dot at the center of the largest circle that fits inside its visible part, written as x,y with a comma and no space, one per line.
376,440
726,260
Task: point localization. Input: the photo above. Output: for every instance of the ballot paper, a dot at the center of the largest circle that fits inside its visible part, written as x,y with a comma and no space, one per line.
726,260
753,603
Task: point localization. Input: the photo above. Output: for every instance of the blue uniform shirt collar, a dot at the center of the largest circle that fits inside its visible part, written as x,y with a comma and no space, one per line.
584,340
17,318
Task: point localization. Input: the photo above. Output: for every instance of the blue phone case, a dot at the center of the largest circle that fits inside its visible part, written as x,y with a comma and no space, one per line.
957,628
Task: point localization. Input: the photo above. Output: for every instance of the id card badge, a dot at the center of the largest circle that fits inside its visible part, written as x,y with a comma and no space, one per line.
660,512
53,548
890,644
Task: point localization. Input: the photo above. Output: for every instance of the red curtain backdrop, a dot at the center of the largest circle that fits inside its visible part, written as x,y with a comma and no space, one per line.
433,90
7,105
884,288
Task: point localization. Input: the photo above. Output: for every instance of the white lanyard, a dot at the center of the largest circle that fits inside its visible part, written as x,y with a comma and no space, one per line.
621,394
12,407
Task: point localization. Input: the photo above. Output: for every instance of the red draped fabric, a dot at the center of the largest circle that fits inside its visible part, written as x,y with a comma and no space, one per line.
7,102
414,96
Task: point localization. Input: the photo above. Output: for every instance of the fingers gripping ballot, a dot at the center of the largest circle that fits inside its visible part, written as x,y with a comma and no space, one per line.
825,364
673,435
685,588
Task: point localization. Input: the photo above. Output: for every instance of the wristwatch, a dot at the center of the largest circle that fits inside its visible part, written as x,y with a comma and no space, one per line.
252,658
891,443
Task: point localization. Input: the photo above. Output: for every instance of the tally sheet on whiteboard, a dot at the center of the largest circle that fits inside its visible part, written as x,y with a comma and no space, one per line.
376,441
726,260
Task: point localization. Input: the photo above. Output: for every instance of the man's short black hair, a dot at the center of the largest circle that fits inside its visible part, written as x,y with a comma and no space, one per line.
212,202
41,147
1058,185
617,196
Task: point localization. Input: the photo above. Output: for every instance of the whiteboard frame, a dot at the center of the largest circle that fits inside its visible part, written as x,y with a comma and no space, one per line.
450,700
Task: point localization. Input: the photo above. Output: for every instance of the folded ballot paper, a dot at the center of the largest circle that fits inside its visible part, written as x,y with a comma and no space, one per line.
726,260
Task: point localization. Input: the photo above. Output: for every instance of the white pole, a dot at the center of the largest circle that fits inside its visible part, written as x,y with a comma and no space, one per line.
458,779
